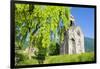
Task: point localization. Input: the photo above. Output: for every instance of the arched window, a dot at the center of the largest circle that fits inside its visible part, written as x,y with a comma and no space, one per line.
73,46
72,23
78,33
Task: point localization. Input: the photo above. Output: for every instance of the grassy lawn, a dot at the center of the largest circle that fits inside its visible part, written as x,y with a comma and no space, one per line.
61,59
70,58
28,62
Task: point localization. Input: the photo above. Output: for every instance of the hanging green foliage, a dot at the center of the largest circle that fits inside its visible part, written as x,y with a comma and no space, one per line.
38,21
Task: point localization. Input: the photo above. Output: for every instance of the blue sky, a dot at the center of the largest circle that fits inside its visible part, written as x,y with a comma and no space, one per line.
84,17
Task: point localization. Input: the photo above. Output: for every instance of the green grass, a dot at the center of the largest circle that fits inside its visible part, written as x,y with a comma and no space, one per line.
70,58
28,62
84,57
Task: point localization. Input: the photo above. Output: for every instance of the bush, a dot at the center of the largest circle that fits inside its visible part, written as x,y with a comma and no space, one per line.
22,59
20,56
40,56
54,49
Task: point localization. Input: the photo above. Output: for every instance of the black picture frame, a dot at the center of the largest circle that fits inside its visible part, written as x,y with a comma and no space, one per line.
12,33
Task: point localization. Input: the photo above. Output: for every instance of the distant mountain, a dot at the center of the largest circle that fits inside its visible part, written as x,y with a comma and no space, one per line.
89,44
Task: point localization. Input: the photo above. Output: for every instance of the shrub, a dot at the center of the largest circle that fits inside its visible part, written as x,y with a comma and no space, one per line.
20,56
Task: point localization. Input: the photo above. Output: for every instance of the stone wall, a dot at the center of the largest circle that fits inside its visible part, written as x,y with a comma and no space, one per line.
73,41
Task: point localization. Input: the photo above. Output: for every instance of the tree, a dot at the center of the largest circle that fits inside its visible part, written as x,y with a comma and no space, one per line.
35,23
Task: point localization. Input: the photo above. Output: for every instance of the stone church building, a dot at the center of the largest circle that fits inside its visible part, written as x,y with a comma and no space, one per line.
73,40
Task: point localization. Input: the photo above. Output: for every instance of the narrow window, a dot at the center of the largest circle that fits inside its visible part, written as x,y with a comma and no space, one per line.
73,46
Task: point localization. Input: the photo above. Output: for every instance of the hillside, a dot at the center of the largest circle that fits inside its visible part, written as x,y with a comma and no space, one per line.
89,44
